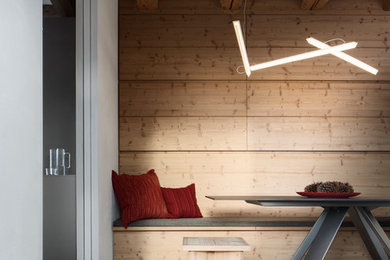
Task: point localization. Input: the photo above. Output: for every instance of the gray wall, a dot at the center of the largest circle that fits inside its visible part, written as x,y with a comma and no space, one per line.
21,130
105,119
59,87
59,217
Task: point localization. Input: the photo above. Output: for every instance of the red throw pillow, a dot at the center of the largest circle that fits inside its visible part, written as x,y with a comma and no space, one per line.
139,196
181,202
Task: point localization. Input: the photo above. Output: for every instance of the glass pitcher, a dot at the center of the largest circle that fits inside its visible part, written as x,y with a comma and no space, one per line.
58,163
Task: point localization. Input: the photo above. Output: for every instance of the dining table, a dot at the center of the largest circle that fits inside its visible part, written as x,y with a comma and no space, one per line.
320,237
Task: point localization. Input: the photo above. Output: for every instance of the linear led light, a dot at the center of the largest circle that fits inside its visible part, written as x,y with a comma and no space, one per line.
324,50
241,45
343,56
303,56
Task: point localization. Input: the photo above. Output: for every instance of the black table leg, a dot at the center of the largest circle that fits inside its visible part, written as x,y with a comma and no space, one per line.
327,233
374,224
369,236
306,243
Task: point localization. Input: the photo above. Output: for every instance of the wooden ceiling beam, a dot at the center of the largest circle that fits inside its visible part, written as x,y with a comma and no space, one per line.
231,4
320,4
386,5
147,4
313,4
236,4
226,4
64,8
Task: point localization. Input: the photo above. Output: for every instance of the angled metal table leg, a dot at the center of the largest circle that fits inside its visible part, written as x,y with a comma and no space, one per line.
306,243
326,234
374,224
368,235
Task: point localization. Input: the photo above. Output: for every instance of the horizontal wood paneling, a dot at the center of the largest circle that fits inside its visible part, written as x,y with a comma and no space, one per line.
179,63
348,7
310,164
264,133
314,133
182,133
177,31
180,93
221,64
292,30
250,173
286,30
182,99
173,6
267,245
368,99
344,7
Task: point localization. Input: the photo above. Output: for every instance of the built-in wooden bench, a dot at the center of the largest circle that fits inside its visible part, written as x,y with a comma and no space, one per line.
270,238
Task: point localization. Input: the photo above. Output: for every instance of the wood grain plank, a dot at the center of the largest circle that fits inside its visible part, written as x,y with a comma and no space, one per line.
182,99
264,99
174,63
254,173
270,245
314,133
286,30
313,4
226,4
237,4
307,4
177,31
292,30
221,64
320,4
345,7
319,99
147,4
173,7
386,5
182,133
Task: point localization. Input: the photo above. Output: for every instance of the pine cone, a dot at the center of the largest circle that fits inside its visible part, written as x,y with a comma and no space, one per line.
329,186
312,187
345,187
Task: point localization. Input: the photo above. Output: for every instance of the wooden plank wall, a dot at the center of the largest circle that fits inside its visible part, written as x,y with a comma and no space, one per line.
186,112
268,245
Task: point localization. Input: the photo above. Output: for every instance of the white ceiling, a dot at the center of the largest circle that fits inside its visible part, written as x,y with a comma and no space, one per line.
47,2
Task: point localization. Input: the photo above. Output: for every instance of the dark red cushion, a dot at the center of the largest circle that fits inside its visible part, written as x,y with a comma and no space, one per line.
181,202
139,196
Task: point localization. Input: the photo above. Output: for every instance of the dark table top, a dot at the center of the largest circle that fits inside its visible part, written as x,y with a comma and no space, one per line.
298,201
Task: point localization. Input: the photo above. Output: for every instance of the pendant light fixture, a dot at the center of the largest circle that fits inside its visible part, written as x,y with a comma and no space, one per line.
343,56
241,45
324,49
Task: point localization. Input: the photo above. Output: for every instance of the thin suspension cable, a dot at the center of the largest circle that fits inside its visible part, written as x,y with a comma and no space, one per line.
244,12
335,39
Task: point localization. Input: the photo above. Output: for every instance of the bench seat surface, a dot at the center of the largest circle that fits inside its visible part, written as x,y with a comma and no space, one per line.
233,222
